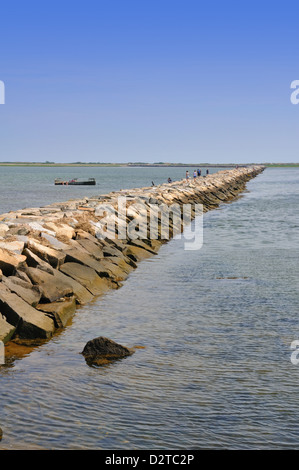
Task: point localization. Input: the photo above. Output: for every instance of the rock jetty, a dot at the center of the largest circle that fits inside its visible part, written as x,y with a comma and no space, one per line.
55,257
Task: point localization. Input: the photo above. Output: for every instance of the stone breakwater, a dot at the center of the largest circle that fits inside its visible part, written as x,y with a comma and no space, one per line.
54,258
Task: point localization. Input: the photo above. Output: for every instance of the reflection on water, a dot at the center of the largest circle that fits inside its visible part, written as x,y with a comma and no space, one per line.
214,329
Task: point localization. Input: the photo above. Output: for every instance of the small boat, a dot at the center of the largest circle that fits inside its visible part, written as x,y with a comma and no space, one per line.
76,181
89,181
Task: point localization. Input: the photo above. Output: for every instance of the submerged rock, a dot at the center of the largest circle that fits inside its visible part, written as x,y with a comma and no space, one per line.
101,348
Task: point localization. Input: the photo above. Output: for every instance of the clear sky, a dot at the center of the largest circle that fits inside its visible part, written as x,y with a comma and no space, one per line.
149,81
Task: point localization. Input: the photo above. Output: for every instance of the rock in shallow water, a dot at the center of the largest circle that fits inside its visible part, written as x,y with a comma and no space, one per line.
101,348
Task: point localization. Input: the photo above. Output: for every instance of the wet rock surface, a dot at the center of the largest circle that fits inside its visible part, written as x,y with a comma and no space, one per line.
104,349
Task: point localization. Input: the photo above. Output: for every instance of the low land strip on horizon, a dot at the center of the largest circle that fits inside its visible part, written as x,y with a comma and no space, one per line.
142,164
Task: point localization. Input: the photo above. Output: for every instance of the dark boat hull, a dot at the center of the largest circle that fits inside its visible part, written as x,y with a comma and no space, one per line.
84,183
76,182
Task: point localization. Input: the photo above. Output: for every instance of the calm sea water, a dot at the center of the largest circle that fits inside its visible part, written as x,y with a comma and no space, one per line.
215,326
23,187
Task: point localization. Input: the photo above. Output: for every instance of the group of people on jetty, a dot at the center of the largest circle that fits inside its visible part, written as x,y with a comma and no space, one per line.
196,173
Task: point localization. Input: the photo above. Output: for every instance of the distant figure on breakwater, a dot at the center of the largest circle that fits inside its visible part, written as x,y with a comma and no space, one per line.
187,176
153,184
194,174
169,180
207,172
198,172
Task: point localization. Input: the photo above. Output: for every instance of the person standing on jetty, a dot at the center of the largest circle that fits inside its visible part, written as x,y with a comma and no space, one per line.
194,174
198,172
187,176
207,172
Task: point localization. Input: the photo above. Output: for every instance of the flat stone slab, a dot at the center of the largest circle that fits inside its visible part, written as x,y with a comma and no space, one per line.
137,253
29,322
50,287
62,230
60,280
3,229
80,292
54,257
87,277
93,248
34,261
62,311
31,294
6,330
115,268
15,246
56,284
54,242
9,261
80,255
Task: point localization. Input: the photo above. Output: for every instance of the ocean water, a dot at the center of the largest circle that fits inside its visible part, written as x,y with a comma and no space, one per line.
214,328
23,187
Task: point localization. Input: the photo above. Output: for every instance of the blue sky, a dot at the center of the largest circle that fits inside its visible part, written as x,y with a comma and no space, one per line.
160,80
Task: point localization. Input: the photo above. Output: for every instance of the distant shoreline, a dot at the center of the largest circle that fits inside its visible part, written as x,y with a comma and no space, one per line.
145,165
